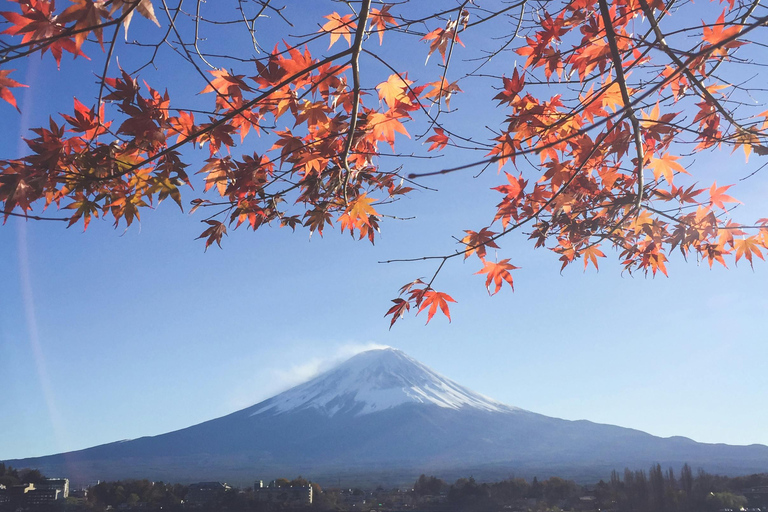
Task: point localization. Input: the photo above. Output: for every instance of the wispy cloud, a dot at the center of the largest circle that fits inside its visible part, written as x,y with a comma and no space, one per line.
286,377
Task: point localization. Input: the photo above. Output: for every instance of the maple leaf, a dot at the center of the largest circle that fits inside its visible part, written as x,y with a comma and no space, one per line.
218,172
38,22
398,311
666,165
746,247
380,18
86,120
221,134
506,149
86,14
512,87
497,273
718,197
718,32
359,215
339,26
317,218
748,140
384,126
214,233
439,38
226,84
183,124
435,300
612,99
477,242
5,84
439,140
442,89
297,63
394,90
144,7
84,209
591,254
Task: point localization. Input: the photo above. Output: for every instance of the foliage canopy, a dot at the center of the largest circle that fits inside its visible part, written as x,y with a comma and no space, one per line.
606,103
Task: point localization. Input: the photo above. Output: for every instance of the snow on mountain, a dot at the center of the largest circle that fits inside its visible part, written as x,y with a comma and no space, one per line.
423,423
377,380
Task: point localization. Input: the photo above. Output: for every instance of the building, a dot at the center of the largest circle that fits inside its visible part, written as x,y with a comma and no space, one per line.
60,484
206,493
78,496
757,497
32,495
294,495
17,494
42,496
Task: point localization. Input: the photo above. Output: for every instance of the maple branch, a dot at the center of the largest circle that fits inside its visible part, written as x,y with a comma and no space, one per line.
34,217
228,116
691,225
356,90
510,39
687,72
252,26
164,39
172,23
448,60
743,21
421,106
618,66
581,131
44,42
197,36
102,80
519,224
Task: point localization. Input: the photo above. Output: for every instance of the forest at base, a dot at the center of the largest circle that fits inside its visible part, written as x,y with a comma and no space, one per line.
655,490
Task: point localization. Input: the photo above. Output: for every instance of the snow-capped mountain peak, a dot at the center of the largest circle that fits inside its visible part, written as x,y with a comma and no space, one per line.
374,381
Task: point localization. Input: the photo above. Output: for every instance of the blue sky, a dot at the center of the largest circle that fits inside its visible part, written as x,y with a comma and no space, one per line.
113,334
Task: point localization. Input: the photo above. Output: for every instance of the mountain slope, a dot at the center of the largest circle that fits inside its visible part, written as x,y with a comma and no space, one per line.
383,411
375,381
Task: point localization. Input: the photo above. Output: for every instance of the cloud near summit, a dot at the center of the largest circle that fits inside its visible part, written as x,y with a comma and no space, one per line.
299,373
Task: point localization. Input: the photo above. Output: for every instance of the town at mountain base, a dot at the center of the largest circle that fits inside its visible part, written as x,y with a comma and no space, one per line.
383,417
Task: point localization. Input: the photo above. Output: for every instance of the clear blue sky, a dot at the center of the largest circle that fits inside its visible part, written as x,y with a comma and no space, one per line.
108,335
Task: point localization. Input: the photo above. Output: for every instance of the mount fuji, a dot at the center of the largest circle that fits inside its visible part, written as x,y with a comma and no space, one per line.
385,415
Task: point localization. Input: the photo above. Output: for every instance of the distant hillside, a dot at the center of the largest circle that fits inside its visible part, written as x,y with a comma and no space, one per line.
385,416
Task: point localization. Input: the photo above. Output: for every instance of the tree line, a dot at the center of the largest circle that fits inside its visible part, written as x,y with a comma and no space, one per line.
655,490
10,476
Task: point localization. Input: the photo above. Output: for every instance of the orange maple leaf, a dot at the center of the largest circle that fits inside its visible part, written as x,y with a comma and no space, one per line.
439,39
5,83
476,242
666,165
379,20
436,300
214,233
360,216
339,26
394,90
439,140
718,197
497,273
384,126
512,87
747,247
591,254
718,32
398,311
442,89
